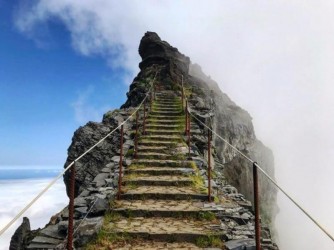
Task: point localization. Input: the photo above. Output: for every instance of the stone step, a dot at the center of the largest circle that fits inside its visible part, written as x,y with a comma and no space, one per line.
162,132
164,163
163,126
174,138
160,171
154,155
166,229
174,118
141,244
166,122
166,113
158,143
162,180
167,108
152,149
164,208
163,193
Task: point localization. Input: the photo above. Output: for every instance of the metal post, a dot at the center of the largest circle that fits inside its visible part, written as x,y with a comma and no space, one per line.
144,121
186,125
151,100
256,207
182,93
136,136
209,165
120,167
188,134
70,229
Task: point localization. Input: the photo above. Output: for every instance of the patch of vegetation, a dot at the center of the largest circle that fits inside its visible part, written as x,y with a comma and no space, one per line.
209,241
206,215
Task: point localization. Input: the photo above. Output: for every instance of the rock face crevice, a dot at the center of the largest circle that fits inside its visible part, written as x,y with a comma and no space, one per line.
97,172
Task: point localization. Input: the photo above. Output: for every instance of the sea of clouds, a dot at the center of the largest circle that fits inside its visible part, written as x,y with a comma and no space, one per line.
17,193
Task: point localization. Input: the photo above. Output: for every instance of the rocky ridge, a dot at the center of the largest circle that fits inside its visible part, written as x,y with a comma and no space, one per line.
97,178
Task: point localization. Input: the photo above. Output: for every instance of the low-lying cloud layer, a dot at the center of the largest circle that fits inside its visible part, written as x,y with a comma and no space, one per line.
274,58
15,194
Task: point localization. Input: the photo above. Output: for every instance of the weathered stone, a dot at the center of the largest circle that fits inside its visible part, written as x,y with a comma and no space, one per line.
88,231
19,239
243,244
100,207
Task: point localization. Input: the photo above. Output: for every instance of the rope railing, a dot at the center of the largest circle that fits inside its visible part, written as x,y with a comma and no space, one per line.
256,167
41,193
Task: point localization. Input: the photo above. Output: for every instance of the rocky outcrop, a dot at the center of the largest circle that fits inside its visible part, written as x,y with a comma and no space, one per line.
235,125
97,172
21,236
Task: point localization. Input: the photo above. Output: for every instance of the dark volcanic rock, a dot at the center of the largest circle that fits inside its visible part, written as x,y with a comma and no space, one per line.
20,237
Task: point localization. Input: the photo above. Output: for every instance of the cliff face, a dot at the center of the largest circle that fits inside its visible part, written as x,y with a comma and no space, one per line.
235,125
97,172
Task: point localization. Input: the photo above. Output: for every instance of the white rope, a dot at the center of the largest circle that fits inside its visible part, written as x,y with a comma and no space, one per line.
268,176
9,224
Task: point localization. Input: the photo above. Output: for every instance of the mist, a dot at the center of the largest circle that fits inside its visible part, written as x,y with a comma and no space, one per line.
273,58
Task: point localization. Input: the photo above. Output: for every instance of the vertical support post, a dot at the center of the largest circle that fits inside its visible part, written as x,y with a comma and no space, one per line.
256,207
209,165
120,167
188,134
182,94
70,229
151,100
144,121
136,137
186,111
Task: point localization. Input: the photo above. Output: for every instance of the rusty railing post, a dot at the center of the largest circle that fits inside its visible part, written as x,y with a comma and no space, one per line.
144,121
188,134
182,94
209,165
151,101
70,229
136,137
186,124
256,207
120,167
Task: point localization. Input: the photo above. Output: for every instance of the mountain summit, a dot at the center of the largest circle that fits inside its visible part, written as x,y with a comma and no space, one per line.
182,186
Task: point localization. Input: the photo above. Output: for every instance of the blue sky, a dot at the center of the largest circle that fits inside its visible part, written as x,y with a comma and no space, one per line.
47,90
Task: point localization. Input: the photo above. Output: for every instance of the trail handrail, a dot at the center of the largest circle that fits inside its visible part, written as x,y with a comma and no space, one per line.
256,165
9,224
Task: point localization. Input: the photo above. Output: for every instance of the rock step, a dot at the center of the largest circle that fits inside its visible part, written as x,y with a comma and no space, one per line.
160,171
164,163
152,148
163,193
167,109
170,106
163,126
154,155
162,180
180,122
166,113
162,132
163,208
175,138
174,118
156,245
166,229
157,143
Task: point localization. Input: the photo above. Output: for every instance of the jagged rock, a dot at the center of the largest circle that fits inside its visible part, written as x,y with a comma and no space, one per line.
20,237
100,207
243,244
88,231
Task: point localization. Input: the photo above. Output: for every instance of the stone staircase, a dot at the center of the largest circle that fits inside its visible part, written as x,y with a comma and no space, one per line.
163,203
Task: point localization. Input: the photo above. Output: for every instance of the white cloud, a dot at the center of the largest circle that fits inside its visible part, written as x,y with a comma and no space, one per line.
274,58
14,195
